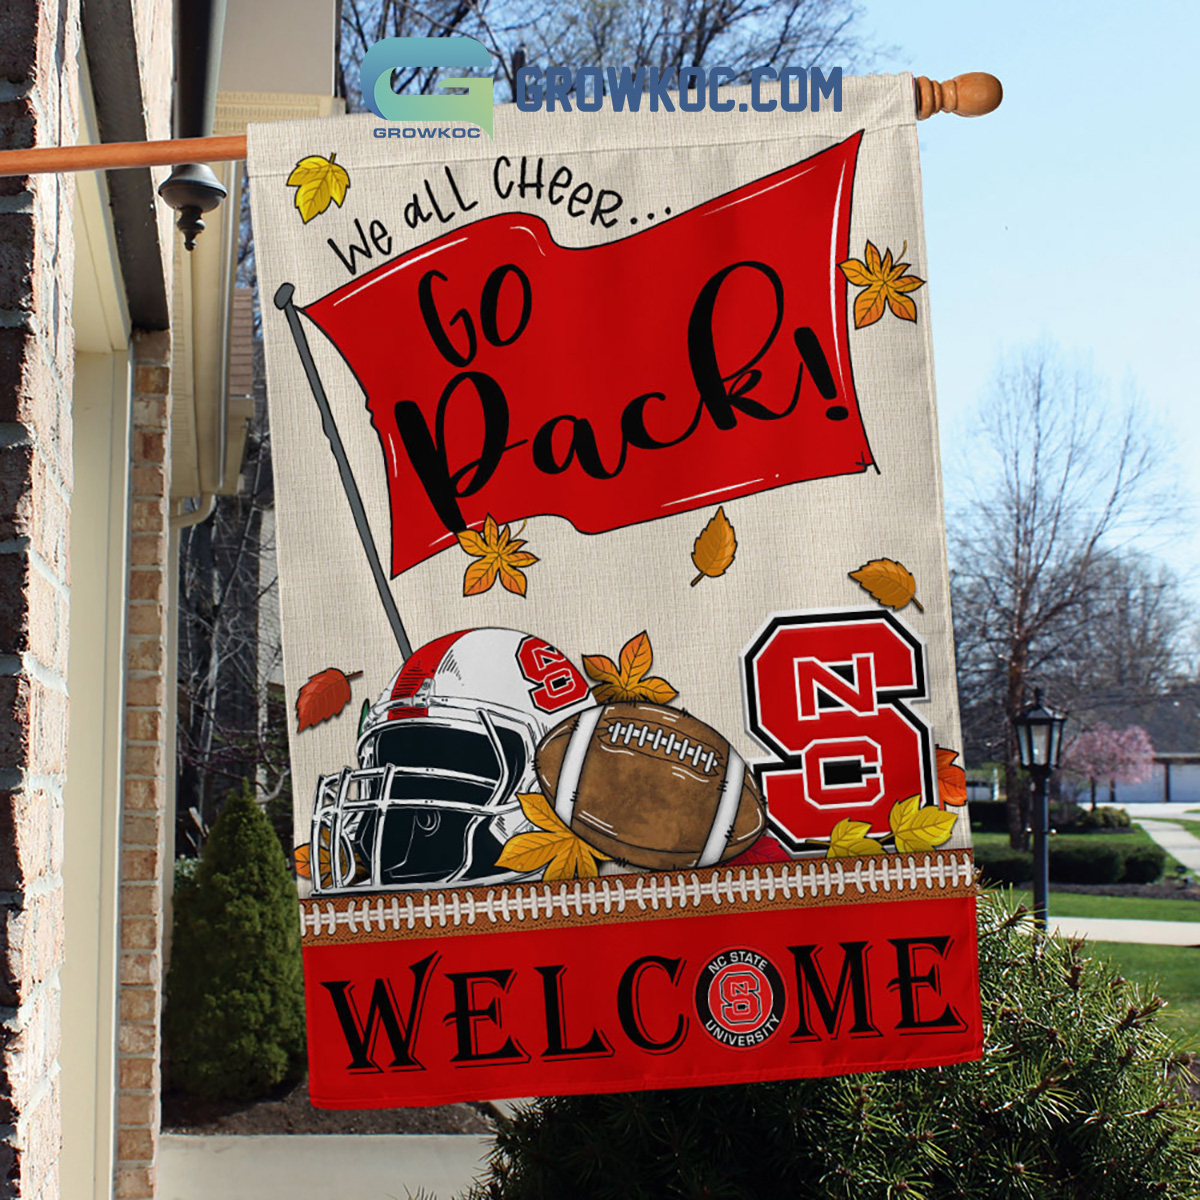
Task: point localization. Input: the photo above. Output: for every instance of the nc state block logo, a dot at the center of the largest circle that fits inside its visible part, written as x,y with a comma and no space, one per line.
826,693
740,998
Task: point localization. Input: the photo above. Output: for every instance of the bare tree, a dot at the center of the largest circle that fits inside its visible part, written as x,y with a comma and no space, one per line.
1129,641
1037,554
230,727
660,34
669,34
364,22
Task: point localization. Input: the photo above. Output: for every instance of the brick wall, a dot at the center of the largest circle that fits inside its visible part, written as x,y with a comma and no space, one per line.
144,816
38,45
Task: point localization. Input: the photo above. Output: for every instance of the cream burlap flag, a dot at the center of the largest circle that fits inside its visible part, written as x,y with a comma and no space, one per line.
615,600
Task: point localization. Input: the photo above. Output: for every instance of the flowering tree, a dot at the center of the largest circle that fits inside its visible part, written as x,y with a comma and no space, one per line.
1104,753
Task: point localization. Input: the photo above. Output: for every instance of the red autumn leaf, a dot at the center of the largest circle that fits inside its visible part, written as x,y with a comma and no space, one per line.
765,850
952,780
325,695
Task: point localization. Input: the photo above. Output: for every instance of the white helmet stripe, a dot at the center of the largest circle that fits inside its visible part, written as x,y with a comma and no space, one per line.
727,811
572,763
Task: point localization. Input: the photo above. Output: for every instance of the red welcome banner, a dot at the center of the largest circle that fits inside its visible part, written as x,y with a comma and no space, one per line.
641,981
703,359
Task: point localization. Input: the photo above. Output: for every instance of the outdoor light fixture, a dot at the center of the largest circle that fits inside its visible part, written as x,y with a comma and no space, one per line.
1039,744
192,190
1039,736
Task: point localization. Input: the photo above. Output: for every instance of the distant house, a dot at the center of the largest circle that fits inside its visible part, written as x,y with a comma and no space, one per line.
1173,723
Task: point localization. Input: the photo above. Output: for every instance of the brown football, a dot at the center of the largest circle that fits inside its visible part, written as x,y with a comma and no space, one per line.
651,786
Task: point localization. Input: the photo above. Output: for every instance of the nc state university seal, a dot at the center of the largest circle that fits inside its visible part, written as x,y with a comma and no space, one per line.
740,998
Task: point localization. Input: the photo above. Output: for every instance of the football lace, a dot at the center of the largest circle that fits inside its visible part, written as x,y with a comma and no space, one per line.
668,744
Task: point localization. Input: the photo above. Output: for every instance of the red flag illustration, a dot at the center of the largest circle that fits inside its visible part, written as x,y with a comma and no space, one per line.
699,360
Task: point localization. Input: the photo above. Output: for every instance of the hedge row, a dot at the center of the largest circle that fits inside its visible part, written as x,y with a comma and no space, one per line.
991,816
1095,861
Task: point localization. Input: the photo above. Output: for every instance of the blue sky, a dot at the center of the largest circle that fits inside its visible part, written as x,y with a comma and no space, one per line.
1071,213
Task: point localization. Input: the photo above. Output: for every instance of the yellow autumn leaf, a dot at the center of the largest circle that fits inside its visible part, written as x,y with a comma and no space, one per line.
886,285
916,828
319,182
656,691
551,845
540,812
574,860
628,683
715,547
889,582
498,555
848,838
527,851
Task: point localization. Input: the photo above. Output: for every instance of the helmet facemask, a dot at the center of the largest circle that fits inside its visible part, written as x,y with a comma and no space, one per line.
432,802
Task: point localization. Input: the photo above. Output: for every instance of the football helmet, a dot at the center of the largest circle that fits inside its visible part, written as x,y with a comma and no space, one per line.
442,755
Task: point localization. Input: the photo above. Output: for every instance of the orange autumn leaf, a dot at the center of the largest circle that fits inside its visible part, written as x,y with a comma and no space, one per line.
551,844
885,284
324,696
952,780
889,582
301,857
715,548
636,656
499,556
628,682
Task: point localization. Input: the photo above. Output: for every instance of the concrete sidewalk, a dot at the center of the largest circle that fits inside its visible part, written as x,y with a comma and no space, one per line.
1174,839
318,1167
1159,811
1115,929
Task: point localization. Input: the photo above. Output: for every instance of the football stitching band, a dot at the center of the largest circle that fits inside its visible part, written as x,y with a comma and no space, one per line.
727,811
467,910
572,764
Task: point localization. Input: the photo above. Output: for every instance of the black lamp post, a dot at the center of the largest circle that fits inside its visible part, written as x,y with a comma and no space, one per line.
1039,743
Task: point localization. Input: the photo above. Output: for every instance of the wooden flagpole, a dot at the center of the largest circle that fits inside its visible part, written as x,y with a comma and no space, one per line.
110,156
972,95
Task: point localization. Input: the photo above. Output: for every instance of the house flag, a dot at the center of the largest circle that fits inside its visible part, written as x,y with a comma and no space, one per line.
615,604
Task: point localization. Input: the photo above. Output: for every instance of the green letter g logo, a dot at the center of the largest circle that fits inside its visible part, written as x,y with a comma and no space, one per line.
397,53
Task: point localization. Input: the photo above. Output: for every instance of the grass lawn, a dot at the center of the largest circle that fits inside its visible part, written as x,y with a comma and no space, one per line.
1127,837
1193,827
1176,970
1127,908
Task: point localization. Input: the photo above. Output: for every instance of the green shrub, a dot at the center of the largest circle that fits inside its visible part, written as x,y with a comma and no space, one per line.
234,1020
1104,818
1091,861
989,816
185,875
1067,815
1074,1098
1002,864
1144,864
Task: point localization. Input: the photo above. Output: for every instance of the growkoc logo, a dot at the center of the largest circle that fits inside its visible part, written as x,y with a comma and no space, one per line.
399,53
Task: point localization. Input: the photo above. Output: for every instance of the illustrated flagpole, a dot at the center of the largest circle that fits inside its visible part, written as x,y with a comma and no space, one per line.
283,301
